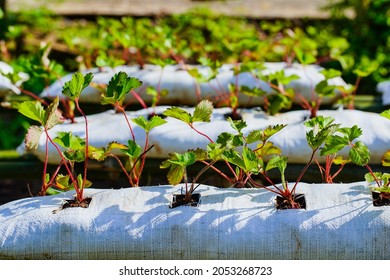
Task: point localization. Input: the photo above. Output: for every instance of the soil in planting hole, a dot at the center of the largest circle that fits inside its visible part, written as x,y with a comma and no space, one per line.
234,117
151,115
69,203
282,203
179,200
380,199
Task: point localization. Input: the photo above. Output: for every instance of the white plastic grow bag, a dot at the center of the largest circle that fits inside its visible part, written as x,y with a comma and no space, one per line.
176,136
182,86
384,89
339,222
6,86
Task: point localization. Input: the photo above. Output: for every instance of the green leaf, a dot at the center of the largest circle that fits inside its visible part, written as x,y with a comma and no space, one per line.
117,88
203,111
278,102
234,157
280,77
366,68
184,159
33,110
352,133
133,150
74,87
178,113
386,114
177,164
255,91
322,128
215,151
32,137
267,149
62,182
324,89
52,115
359,154
370,178
69,140
237,125
225,139
254,136
250,160
279,162
148,125
175,174
75,155
333,145
98,154
386,159
304,57
272,130
340,160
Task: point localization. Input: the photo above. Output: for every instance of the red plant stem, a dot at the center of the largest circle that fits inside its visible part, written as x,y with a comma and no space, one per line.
33,95
139,99
352,102
219,172
127,120
227,163
135,162
201,133
304,170
197,91
123,168
46,161
62,157
373,175
80,197
338,171
278,191
143,157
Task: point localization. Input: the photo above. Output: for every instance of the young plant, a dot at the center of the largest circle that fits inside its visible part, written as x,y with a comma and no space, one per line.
136,157
234,149
177,164
281,98
321,129
47,118
117,89
75,149
343,138
73,89
158,93
381,186
208,77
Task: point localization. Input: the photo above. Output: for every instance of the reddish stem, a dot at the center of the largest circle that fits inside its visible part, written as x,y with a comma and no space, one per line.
127,120
80,197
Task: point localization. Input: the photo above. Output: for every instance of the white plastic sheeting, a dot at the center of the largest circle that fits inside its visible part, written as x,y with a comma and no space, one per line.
6,86
384,89
182,86
339,222
176,136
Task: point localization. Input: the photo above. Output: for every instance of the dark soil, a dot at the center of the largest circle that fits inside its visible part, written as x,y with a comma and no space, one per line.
299,200
69,203
380,199
234,117
179,200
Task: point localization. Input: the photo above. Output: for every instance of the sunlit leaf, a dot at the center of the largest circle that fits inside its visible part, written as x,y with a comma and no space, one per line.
33,110
203,111
74,87
32,137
